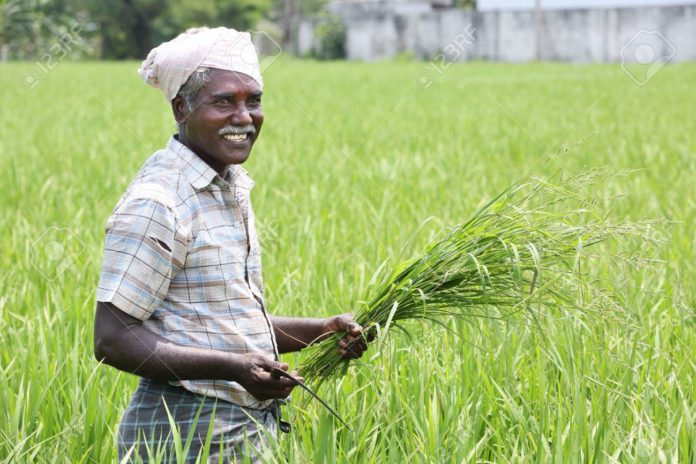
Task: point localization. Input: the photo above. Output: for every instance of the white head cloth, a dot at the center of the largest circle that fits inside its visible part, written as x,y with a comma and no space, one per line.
168,66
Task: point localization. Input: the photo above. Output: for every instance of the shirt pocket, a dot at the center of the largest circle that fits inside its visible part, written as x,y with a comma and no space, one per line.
219,255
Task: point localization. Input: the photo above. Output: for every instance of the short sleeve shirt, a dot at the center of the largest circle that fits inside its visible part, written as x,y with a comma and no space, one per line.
182,255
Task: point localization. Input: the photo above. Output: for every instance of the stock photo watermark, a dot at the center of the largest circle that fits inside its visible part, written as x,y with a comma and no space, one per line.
452,52
268,49
644,54
66,43
262,49
55,251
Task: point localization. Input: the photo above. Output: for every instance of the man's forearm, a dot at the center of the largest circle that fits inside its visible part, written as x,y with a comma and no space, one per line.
126,345
295,333
166,361
121,341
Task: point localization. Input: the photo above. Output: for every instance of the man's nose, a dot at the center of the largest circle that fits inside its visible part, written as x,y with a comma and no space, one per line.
240,116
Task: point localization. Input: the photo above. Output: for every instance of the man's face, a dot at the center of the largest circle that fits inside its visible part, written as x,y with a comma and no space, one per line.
225,120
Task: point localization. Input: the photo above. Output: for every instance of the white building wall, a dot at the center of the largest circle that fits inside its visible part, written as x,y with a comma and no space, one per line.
489,5
376,32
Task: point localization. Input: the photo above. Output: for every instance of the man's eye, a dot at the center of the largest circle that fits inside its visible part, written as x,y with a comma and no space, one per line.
222,101
254,101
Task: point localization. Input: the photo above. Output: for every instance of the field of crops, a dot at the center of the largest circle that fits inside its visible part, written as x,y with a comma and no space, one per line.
351,160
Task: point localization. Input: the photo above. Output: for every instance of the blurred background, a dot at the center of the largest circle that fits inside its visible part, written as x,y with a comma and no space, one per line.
579,31
379,114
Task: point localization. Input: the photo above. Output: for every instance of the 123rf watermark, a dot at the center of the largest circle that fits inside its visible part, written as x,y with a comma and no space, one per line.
55,252
261,49
452,52
644,54
267,48
66,43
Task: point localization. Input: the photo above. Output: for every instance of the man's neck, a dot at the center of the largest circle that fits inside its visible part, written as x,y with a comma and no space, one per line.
181,137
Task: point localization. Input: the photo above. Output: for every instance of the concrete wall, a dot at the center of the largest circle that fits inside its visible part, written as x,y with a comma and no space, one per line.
375,31
484,5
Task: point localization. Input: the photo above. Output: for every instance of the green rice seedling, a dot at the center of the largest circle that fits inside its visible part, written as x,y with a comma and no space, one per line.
344,172
519,257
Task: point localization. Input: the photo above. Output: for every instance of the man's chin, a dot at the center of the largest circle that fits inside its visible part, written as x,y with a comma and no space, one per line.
237,157
235,154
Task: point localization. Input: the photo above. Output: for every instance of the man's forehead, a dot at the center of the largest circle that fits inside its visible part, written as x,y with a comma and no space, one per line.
226,82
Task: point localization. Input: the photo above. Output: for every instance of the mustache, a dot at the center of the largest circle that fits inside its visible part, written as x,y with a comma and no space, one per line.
237,130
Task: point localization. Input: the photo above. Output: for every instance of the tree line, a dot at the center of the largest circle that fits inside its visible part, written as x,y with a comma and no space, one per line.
128,29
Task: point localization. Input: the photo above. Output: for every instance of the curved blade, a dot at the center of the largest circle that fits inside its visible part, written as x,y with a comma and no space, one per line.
282,373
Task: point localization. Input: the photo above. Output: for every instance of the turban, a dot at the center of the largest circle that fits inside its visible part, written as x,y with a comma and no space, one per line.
168,66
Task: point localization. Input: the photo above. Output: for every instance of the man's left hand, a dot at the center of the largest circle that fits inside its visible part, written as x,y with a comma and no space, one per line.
354,344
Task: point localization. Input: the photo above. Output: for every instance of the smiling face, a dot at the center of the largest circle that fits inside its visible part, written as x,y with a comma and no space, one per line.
224,121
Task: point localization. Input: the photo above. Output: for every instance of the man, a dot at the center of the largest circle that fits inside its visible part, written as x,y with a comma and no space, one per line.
180,299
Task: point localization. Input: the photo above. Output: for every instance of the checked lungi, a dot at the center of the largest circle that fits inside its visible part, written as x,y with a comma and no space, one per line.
238,434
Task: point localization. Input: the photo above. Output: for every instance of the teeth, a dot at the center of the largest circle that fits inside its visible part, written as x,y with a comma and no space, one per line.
235,138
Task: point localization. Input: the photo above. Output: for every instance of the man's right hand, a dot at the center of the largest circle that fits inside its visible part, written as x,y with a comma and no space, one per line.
253,372
121,341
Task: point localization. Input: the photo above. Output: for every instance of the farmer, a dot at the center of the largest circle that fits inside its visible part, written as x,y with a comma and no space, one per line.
180,299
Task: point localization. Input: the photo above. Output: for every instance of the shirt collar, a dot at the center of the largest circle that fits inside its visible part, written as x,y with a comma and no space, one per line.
200,175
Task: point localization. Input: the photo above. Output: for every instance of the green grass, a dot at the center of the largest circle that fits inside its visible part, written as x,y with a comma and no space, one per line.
351,160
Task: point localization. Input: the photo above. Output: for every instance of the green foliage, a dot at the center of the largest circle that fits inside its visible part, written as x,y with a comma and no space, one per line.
240,14
330,34
118,28
467,4
522,258
351,158
311,7
405,57
131,28
29,28
126,26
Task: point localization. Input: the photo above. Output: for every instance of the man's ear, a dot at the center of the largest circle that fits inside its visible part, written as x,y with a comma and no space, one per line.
180,109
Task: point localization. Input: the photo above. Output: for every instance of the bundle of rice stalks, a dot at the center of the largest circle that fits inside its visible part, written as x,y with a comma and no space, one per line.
521,256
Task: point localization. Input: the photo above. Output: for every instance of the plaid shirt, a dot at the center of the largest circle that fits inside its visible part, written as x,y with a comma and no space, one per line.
182,255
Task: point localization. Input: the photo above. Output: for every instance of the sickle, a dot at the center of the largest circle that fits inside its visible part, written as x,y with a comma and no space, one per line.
282,373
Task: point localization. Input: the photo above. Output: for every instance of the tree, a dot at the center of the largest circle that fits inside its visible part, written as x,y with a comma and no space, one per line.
468,4
239,14
123,29
28,28
125,26
286,13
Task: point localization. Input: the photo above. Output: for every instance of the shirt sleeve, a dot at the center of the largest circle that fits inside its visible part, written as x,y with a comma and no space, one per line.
142,252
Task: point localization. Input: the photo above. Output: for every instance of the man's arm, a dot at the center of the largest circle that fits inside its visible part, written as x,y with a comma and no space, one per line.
295,333
121,341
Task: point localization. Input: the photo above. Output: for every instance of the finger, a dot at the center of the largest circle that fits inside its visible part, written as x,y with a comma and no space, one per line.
354,328
350,338
350,354
356,342
353,350
285,382
277,393
348,350
277,365
348,323
282,366
273,381
297,376
361,344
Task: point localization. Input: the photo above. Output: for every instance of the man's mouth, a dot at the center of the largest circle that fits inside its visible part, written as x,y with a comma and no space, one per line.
236,137
237,134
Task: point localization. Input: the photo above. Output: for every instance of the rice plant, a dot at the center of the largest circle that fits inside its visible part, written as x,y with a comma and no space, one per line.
344,173
520,256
